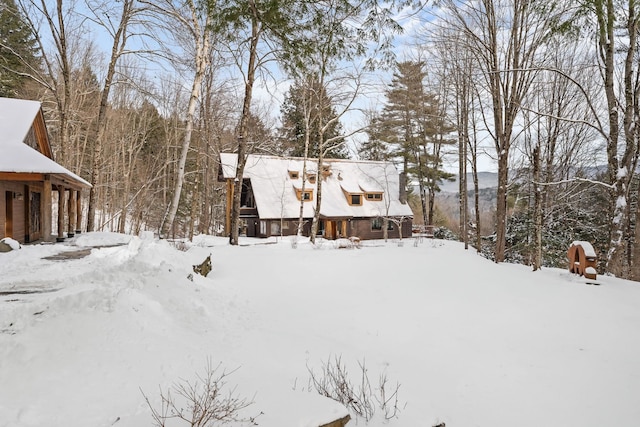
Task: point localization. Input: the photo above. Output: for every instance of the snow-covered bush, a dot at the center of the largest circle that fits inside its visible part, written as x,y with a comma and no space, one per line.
444,233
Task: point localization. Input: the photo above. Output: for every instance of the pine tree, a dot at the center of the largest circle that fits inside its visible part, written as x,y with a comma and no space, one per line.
292,132
18,50
374,148
412,124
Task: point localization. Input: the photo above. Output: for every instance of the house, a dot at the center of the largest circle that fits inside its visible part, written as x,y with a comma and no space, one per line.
356,197
29,176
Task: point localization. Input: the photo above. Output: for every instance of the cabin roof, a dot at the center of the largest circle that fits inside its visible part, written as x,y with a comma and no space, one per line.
17,116
275,191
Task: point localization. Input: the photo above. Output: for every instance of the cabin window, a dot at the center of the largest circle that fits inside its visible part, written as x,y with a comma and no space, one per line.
355,199
376,224
263,227
246,197
294,174
275,228
307,196
375,197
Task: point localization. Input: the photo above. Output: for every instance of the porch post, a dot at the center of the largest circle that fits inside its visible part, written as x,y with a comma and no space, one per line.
61,210
45,209
78,212
72,212
227,223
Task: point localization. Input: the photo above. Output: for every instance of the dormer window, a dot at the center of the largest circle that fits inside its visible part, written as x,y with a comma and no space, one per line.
374,197
294,174
355,199
325,170
307,195
311,177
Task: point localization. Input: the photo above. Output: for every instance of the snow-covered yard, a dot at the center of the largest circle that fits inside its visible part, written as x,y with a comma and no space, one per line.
471,343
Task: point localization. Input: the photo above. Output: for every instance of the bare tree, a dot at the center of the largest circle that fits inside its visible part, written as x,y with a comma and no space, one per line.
118,30
506,39
617,47
189,24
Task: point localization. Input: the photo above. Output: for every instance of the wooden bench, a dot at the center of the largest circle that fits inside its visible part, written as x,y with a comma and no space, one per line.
582,259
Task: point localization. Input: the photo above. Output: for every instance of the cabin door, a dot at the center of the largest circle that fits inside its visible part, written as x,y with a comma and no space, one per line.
335,229
34,216
8,217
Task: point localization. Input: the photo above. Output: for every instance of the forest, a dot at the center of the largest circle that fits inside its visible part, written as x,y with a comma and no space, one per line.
141,96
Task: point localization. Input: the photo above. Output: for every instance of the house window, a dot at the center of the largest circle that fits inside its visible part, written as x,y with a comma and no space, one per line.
376,197
355,199
294,174
263,227
275,228
307,196
376,224
246,197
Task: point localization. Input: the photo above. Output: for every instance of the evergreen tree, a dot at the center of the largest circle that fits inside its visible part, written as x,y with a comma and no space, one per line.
18,50
374,148
292,132
412,123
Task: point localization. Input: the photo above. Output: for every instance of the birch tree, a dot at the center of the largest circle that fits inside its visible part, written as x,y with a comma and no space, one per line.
189,25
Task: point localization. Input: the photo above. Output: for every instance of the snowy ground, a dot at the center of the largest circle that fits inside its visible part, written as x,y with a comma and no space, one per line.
471,343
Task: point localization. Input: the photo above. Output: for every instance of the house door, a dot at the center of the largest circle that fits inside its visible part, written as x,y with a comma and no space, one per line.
335,229
8,221
34,219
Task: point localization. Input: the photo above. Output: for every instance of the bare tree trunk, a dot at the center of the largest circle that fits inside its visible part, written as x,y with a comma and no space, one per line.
242,128
117,49
537,209
462,174
621,168
202,39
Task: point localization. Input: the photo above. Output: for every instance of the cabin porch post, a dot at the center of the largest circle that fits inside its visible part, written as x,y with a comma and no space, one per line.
62,206
78,212
72,212
45,209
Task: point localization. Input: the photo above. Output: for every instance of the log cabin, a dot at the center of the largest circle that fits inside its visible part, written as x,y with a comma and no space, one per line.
29,176
357,196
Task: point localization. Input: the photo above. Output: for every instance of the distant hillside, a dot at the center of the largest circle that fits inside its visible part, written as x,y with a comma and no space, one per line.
485,180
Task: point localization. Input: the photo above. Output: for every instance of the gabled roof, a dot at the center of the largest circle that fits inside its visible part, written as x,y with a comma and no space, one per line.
275,192
17,117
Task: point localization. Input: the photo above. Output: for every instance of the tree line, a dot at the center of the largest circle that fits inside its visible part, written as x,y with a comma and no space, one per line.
142,96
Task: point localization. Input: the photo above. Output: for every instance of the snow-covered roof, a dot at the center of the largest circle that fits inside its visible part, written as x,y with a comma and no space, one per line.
16,119
275,191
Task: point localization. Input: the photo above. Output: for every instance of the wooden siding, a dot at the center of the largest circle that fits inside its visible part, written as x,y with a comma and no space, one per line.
42,136
355,227
13,193
361,227
27,226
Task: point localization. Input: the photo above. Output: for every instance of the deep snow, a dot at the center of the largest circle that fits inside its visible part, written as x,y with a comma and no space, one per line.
470,342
